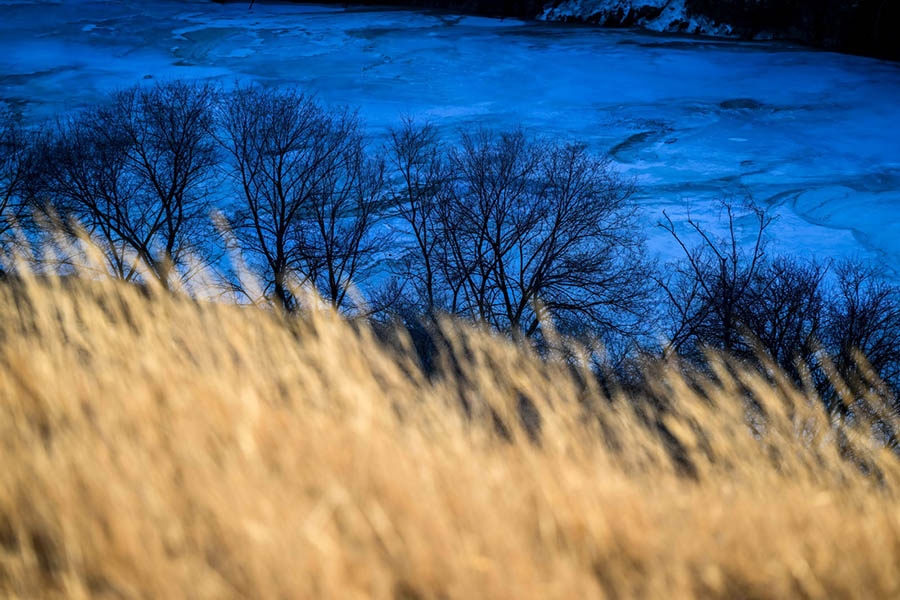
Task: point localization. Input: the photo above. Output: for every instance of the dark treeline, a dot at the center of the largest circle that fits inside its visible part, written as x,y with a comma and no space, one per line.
866,27
514,231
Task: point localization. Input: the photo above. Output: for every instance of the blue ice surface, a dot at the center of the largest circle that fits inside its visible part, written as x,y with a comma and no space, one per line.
813,135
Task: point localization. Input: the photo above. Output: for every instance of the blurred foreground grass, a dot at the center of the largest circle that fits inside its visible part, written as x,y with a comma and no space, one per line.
156,446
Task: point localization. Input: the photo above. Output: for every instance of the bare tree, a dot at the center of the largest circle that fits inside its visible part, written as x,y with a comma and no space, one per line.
706,290
733,297
136,174
863,319
530,229
417,159
17,170
784,312
272,143
340,240
488,209
309,194
585,260
843,331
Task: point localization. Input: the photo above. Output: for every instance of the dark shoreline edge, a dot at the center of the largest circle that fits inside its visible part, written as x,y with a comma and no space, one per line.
868,28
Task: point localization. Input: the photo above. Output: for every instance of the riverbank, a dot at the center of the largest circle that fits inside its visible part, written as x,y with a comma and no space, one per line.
865,27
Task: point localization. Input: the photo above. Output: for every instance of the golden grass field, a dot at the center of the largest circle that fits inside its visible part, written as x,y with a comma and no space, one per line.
152,446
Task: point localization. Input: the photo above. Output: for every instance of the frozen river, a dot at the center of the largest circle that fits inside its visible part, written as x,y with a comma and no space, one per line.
815,135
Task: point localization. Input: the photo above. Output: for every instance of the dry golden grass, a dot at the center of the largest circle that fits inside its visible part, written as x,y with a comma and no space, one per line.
152,446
